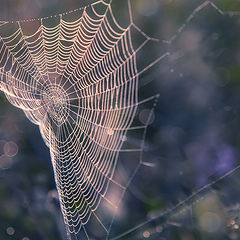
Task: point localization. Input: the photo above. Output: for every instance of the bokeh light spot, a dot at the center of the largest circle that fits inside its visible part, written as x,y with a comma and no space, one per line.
10,149
26,238
146,117
235,226
146,234
10,231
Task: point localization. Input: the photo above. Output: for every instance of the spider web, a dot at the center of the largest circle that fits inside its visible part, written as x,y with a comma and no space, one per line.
78,81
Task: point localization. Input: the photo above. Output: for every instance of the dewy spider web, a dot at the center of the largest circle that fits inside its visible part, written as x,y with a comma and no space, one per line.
77,80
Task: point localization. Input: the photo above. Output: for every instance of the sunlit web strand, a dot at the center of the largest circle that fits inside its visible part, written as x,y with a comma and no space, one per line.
195,12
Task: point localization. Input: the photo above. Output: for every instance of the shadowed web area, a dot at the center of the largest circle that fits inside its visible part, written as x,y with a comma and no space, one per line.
92,85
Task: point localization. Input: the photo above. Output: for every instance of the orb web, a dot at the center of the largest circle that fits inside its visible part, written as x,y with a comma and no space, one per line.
78,81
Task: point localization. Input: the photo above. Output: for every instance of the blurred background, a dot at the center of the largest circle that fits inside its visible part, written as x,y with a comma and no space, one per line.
192,141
